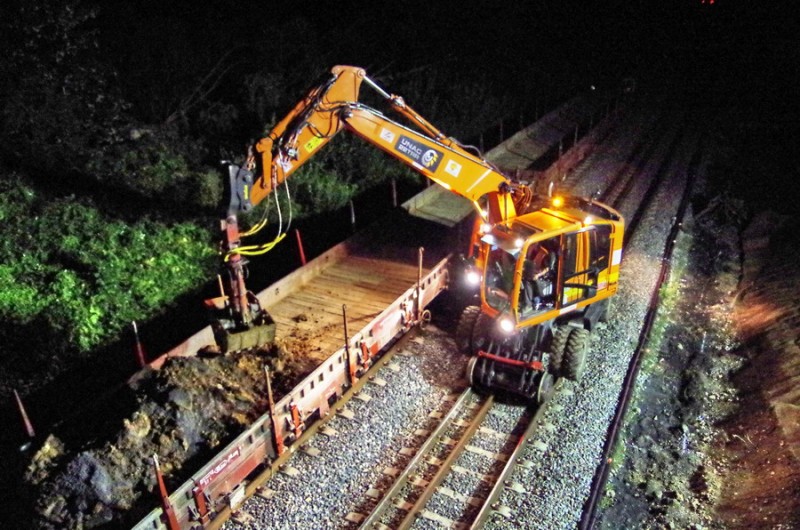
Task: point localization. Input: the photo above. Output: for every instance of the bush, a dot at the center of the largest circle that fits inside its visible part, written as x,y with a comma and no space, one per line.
59,103
86,275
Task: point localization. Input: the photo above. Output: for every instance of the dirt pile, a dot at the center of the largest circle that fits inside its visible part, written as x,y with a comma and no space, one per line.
182,413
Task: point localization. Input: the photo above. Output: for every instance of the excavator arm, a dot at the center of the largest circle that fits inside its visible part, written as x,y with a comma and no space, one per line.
313,122
334,106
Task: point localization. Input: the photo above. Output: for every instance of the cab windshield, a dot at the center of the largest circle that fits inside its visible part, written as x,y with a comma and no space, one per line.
499,278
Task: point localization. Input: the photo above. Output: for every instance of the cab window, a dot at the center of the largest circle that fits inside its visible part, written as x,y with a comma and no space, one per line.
600,247
499,278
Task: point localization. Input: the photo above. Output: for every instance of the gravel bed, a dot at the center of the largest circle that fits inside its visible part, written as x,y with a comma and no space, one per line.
328,487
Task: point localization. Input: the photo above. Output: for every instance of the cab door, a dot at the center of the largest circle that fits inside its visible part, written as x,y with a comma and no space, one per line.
585,264
574,276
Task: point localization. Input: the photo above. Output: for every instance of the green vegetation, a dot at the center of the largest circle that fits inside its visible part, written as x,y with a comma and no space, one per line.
69,267
109,180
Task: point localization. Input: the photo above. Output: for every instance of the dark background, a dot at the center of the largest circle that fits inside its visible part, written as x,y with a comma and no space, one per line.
153,56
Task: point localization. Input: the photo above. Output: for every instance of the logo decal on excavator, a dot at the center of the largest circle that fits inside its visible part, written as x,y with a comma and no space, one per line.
453,167
419,152
430,158
387,135
313,143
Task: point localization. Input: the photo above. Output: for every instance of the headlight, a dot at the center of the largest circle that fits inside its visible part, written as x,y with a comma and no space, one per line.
486,228
506,324
473,278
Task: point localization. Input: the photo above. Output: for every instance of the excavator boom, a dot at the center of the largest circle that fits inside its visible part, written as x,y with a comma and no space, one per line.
334,105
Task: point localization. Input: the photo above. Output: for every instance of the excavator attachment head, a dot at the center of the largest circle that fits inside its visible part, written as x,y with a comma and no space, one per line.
231,334
257,336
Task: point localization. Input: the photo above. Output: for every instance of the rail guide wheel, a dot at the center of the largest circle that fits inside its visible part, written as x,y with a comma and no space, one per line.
545,388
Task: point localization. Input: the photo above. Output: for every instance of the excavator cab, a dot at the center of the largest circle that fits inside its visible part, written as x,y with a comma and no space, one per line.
546,275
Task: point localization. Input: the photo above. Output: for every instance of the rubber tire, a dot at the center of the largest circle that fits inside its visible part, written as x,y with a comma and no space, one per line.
574,361
556,349
481,333
465,328
606,312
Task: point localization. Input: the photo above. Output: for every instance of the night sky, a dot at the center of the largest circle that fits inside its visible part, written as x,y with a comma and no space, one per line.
733,60
515,41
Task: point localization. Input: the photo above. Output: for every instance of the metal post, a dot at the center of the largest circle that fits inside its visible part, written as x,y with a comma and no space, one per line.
139,350
277,439
352,215
221,286
419,284
25,419
203,515
300,247
172,520
394,193
350,367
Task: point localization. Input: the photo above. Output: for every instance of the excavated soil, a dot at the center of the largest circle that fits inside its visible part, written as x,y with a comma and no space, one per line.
183,413
712,438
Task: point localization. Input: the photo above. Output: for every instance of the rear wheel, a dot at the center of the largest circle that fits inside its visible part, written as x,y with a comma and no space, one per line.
556,349
574,361
465,328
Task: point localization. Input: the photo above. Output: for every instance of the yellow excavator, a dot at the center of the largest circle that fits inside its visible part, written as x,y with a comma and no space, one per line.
543,268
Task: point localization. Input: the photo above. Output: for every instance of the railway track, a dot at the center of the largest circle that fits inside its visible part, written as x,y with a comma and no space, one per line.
470,448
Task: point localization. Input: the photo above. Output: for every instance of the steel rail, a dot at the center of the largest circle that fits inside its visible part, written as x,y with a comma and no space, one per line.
589,514
384,504
489,506
446,466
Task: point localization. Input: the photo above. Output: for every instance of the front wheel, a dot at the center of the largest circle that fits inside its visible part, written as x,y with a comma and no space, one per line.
465,328
556,348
